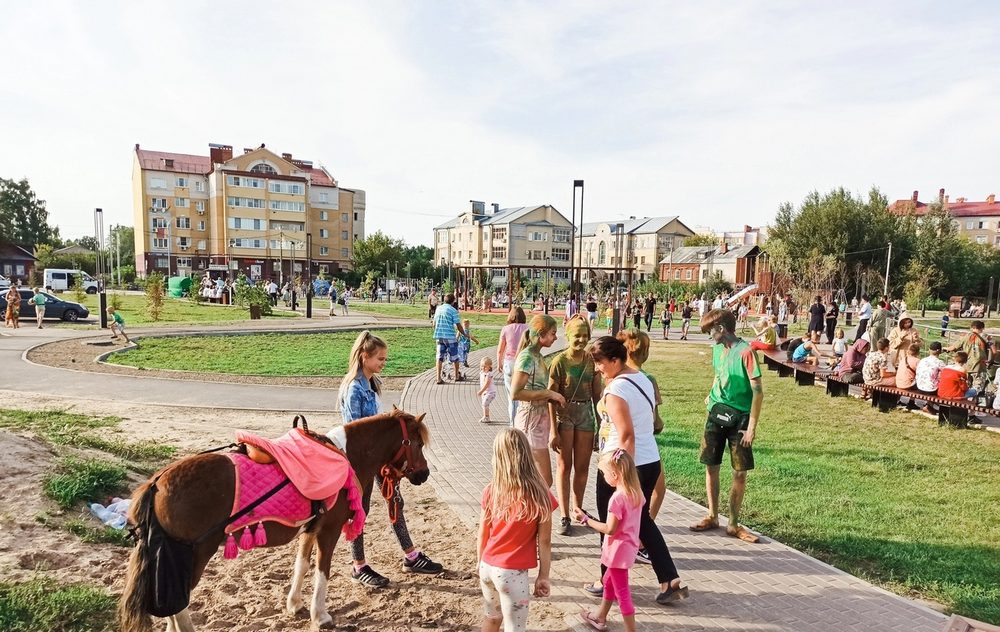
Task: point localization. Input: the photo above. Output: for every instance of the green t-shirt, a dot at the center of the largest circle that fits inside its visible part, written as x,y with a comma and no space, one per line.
118,318
734,368
568,376
39,299
534,365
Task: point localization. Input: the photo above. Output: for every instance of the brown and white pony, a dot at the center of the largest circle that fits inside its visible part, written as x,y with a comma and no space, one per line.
195,494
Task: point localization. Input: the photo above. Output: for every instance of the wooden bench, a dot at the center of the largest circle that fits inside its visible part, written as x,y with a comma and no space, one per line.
804,373
954,412
777,360
836,387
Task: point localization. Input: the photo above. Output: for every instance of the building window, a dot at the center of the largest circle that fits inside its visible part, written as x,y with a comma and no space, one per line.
181,202
983,225
201,225
969,225
343,234
162,262
324,233
290,188
560,254
642,260
157,183
601,253
355,216
184,222
262,167
248,243
245,202
996,241
499,252
243,181
160,222
980,239
499,232
199,186
560,235
278,205
183,242
677,275
201,244
344,218
182,182
183,262
159,203
246,223
687,274
323,250
200,206
160,243
322,198
343,252
323,216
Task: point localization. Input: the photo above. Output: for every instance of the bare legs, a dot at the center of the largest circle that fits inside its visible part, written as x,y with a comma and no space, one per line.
572,465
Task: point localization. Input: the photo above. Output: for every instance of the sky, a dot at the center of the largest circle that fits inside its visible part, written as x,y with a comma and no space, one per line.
717,112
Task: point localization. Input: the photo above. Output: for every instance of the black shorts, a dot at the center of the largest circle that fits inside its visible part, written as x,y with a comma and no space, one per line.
713,444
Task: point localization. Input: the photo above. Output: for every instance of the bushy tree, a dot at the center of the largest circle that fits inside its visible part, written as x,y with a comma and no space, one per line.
701,240
373,252
154,295
23,217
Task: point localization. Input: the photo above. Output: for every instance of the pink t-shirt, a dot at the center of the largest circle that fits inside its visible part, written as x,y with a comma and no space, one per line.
512,335
620,549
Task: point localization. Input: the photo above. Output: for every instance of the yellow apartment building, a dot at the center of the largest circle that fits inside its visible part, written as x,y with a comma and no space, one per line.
256,213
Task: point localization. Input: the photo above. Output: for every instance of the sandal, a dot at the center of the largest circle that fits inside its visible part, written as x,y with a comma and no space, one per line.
708,522
587,617
741,532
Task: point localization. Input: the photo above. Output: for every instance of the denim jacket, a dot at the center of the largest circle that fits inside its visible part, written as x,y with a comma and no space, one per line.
360,401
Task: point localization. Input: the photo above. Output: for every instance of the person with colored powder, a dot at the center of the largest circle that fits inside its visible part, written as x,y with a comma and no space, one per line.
572,375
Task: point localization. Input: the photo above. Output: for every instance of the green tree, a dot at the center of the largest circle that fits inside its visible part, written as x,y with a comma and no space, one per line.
373,252
419,261
23,218
155,288
701,240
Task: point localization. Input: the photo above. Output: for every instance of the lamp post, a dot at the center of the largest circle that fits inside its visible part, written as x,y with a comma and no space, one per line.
545,286
576,280
103,296
309,274
619,251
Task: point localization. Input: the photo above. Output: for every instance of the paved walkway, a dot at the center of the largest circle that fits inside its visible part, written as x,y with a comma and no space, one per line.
734,586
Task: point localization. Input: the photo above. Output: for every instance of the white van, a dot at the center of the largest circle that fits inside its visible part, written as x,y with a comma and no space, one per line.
61,279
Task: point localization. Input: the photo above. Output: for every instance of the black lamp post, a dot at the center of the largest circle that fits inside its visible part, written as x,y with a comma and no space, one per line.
309,274
576,280
103,295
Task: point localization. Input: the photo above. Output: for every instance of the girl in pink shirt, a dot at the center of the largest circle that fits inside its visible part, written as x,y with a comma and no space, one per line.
621,537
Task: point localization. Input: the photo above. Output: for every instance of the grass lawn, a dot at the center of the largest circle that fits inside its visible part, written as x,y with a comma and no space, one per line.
410,352
419,312
889,497
175,310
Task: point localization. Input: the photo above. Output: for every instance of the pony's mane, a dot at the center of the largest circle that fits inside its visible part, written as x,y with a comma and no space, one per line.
422,431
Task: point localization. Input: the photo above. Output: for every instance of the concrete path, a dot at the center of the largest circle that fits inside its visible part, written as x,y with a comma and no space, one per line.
734,586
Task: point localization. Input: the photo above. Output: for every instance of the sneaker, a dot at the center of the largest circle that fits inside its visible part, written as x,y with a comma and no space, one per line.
642,556
672,594
565,526
422,564
368,577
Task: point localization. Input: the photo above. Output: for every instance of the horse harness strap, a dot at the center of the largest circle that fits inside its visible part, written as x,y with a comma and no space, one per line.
242,512
391,475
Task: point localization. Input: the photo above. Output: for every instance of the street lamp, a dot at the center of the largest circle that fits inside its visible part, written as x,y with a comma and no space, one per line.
575,279
99,270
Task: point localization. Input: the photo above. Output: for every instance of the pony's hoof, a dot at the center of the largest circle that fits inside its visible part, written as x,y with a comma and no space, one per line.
294,606
323,622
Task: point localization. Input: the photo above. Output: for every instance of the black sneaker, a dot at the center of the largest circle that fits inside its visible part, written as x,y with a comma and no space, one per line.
369,577
642,556
422,564
564,526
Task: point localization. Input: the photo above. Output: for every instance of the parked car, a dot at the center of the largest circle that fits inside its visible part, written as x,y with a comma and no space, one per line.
54,307
4,282
62,279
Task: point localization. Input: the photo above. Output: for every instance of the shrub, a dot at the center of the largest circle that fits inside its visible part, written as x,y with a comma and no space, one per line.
154,295
245,295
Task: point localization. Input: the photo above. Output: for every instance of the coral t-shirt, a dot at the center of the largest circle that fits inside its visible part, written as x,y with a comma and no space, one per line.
620,549
952,383
511,545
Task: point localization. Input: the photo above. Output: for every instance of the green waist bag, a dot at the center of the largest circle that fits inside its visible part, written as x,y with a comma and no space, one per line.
728,417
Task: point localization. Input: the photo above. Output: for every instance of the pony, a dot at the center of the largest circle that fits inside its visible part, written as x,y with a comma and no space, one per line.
192,498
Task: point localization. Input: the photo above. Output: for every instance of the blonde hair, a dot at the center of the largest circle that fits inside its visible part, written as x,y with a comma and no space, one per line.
578,321
622,464
485,361
840,332
366,343
636,344
517,491
540,323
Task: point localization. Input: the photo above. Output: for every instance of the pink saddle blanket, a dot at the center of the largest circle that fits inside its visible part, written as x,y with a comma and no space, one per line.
316,470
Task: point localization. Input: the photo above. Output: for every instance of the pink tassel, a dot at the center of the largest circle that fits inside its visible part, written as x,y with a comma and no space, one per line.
353,527
259,535
230,552
246,540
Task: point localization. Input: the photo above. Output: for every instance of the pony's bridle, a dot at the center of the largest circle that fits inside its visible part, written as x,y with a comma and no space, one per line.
391,474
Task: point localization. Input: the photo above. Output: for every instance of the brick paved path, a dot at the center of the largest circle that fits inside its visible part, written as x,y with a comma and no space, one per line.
734,586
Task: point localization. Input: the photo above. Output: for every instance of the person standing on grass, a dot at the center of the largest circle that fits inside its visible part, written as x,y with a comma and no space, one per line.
832,315
515,535
864,316
39,300
432,304
685,320
529,385
359,397
446,323
734,405
649,311
665,319
272,291
572,375
510,339
627,415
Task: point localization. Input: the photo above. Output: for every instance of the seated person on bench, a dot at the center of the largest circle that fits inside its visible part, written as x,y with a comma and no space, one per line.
807,351
767,337
906,372
954,381
876,370
851,365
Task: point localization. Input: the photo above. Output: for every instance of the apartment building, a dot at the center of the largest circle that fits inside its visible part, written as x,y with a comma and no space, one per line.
647,241
535,238
253,213
976,221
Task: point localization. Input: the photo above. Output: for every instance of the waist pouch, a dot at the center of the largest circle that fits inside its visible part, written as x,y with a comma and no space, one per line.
728,417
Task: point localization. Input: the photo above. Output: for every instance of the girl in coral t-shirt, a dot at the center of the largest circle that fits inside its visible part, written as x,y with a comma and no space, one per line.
516,521
621,541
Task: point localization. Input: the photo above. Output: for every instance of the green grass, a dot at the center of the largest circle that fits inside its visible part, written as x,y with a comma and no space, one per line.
418,311
411,351
85,529
44,604
176,311
84,479
889,497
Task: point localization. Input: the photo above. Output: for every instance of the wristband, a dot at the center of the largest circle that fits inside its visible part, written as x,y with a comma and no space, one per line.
586,519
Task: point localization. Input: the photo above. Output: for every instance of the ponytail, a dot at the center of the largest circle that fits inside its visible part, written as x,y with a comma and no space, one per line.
540,323
365,344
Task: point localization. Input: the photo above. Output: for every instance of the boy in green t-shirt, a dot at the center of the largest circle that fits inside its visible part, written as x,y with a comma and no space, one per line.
736,391
117,325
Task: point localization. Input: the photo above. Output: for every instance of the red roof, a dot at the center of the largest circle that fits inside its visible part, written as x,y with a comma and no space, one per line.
956,209
321,177
183,163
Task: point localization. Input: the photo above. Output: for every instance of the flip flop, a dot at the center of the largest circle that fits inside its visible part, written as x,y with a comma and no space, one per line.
705,524
590,620
741,532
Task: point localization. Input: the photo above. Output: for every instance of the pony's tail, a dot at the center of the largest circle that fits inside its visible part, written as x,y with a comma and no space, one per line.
132,614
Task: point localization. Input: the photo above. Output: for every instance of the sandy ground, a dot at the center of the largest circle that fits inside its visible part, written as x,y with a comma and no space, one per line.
247,593
79,355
